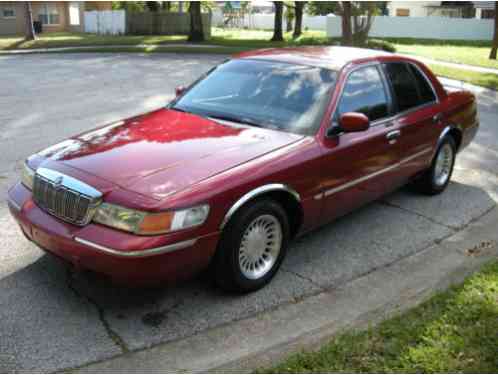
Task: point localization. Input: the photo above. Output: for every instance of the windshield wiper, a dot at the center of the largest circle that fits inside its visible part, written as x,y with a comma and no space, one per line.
240,120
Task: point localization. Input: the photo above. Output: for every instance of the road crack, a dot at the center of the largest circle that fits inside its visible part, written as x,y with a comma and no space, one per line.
113,335
310,280
394,205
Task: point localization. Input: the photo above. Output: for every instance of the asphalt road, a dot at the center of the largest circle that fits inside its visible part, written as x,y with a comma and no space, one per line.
52,319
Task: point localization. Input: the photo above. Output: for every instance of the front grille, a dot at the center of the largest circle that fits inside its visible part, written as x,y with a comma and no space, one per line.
60,196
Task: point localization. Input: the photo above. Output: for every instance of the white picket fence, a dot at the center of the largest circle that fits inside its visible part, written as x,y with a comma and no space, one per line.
111,22
431,27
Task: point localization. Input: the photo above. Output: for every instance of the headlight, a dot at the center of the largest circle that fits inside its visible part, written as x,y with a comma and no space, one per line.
27,176
140,222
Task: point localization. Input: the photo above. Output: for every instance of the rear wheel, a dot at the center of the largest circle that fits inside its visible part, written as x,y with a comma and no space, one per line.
252,247
437,178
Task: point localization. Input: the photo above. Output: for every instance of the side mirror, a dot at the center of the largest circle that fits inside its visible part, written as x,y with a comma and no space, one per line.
180,90
351,122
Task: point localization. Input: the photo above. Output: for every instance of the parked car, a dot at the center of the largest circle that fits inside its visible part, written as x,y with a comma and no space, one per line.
264,147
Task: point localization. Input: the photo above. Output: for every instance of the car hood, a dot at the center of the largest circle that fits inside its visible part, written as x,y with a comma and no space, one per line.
162,152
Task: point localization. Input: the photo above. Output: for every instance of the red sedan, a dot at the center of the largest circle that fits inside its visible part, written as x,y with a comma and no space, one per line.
264,147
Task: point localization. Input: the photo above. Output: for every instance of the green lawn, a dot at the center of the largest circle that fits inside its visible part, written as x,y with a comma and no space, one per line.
488,80
453,332
461,52
230,41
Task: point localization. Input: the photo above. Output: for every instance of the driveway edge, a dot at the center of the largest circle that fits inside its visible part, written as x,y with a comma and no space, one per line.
268,337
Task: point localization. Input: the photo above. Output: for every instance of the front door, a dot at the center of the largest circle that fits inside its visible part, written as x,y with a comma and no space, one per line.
360,167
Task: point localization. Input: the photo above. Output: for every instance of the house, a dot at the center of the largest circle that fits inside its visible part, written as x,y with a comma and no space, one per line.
53,15
484,9
455,9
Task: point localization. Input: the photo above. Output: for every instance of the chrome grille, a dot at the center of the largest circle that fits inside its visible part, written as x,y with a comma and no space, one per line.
65,197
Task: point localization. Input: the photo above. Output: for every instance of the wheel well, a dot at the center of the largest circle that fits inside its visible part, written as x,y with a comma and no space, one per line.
291,206
457,136
289,203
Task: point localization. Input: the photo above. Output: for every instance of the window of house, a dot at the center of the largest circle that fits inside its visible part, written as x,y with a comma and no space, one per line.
404,86
8,12
364,92
49,14
74,14
488,13
402,12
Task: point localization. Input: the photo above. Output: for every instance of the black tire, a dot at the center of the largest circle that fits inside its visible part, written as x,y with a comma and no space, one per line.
227,268
428,183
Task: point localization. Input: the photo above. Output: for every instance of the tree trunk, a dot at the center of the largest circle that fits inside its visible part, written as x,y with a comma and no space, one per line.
298,26
277,28
347,33
196,29
167,6
492,54
30,31
180,6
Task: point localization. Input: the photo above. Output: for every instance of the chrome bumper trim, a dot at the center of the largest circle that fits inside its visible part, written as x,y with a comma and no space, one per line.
138,253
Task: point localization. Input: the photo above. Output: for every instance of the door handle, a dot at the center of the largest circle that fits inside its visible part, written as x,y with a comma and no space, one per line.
393,135
437,118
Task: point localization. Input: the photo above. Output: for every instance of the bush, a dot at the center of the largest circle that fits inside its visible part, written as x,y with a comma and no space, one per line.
380,45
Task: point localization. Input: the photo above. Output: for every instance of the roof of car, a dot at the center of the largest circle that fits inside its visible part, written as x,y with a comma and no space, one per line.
334,57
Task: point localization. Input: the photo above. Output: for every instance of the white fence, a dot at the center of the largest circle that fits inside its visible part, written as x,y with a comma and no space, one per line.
423,27
105,22
266,21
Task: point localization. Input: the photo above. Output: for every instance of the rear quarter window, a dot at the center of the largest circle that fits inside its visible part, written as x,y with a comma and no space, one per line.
426,92
404,86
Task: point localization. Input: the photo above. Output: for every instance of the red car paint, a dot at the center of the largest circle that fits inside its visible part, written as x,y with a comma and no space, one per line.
167,160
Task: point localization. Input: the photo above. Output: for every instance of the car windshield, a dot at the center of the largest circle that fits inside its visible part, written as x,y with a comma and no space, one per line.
267,94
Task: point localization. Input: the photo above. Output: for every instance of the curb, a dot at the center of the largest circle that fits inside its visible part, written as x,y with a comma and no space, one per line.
269,337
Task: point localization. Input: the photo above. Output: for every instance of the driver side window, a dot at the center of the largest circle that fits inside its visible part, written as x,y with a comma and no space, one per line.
364,92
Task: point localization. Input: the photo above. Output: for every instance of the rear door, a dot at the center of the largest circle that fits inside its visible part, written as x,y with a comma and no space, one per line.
417,115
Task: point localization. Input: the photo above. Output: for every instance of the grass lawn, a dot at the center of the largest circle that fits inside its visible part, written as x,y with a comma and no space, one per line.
453,332
230,41
488,80
461,52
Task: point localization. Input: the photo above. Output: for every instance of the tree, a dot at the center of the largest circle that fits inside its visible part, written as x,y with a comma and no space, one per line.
321,8
166,6
277,28
298,22
357,20
152,6
492,54
30,31
289,16
196,29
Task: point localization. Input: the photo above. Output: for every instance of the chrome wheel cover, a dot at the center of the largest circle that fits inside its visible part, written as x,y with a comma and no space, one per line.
442,169
260,246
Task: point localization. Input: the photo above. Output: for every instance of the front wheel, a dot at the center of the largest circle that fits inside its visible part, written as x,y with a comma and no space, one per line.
252,247
437,178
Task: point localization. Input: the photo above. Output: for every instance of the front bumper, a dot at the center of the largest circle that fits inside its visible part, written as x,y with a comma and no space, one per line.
125,257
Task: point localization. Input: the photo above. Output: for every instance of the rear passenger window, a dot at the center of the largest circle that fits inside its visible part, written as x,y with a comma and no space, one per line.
426,92
364,92
404,86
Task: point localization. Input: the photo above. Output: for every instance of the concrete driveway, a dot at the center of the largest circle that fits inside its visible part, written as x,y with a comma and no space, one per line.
53,320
